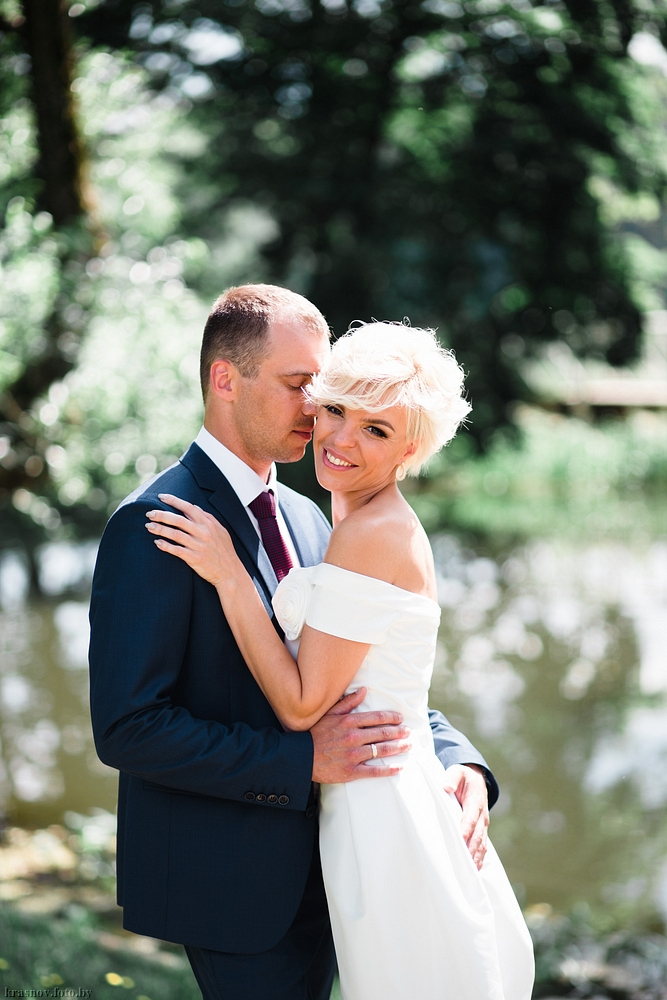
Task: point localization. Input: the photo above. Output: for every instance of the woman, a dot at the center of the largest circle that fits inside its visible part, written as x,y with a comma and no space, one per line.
411,914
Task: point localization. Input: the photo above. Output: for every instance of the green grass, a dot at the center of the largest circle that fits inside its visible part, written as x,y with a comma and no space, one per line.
39,952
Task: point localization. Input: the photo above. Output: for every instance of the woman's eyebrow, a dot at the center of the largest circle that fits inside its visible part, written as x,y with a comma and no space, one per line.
384,423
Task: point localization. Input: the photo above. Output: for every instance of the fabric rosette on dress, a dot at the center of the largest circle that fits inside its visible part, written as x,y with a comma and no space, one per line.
291,601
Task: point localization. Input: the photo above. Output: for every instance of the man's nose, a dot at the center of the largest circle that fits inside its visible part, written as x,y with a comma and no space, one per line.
309,408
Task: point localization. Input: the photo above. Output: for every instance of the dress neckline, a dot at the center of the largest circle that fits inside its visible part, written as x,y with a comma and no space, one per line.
382,583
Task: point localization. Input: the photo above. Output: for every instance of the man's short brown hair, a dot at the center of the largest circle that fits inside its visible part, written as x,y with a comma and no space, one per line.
237,327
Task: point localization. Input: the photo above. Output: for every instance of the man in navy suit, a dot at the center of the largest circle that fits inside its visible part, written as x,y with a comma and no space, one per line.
217,806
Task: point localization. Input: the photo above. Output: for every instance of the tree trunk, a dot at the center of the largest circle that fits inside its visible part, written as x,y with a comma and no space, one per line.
49,44
45,30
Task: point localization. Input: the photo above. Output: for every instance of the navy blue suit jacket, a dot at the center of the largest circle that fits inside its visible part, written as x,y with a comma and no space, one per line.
216,813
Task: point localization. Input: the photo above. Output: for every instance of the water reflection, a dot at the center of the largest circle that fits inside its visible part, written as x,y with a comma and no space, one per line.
47,761
552,657
65,566
14,580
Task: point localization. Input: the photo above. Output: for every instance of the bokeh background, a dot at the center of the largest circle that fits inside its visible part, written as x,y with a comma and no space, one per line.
495,170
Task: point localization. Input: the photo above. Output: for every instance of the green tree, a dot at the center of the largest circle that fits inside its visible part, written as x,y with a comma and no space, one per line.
423,158
39,101
131,402
384,157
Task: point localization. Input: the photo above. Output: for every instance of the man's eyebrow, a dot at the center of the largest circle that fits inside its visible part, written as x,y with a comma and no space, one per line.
299,374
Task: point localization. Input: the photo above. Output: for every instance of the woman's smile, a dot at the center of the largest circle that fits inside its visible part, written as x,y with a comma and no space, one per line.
334,461
367,446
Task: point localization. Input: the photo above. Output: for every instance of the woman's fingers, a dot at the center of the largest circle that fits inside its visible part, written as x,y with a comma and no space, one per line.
196,537
194,512
176,520
186,548
175,550
194,520
183,538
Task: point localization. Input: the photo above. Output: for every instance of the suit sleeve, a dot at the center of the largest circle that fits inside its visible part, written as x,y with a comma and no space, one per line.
452,747
140,612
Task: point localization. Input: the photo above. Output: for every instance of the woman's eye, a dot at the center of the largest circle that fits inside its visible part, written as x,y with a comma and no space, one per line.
337,412
376,432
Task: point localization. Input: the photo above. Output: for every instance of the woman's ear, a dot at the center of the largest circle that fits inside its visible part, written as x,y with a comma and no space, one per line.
410,450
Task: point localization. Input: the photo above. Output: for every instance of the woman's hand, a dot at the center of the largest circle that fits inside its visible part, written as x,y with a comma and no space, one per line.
195,537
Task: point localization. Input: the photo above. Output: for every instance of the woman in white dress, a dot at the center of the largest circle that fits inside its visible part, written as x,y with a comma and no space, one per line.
412,916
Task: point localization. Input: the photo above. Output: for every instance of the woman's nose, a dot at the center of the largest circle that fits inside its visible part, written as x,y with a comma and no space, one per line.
344,435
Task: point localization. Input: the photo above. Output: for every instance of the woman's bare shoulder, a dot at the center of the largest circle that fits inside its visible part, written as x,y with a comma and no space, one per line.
373,542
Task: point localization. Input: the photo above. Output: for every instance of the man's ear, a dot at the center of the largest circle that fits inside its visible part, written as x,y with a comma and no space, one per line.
223,380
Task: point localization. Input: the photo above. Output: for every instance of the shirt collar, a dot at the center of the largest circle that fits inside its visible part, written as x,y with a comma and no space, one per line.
244,481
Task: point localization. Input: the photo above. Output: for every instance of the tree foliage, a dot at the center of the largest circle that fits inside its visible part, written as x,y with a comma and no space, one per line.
459,164
131,398
421,157
51,166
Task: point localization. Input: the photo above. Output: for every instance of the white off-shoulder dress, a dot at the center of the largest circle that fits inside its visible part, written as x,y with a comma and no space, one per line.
412,917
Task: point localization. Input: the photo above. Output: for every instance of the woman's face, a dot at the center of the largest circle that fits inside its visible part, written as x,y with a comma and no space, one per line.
359,450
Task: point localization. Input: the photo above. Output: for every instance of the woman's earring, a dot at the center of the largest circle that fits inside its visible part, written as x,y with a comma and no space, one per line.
400,472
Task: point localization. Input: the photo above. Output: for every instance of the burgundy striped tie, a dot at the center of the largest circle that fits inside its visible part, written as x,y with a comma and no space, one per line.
264,509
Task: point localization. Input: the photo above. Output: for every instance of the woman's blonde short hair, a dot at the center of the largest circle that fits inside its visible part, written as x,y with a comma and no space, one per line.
378,365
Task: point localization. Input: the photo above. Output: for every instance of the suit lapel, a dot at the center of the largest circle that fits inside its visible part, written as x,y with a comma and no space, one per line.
302,543
232,514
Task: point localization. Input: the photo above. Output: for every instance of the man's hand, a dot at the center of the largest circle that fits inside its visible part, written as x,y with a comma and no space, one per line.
343,741
468,784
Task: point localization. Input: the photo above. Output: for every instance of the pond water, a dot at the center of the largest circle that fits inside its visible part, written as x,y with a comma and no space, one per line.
552,657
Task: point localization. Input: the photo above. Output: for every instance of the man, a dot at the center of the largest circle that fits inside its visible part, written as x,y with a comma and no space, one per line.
217,812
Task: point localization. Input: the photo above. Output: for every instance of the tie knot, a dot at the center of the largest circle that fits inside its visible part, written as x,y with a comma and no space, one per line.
264,506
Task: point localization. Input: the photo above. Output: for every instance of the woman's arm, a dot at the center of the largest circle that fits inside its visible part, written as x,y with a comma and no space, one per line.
140,616
299,694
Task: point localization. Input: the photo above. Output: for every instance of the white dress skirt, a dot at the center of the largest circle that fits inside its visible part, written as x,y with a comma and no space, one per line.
412,916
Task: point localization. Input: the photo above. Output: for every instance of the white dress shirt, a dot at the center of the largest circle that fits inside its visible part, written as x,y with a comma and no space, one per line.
246,483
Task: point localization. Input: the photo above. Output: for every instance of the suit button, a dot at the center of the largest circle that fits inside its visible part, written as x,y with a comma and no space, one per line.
249,796
272,798
284,799
261,797
311,811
